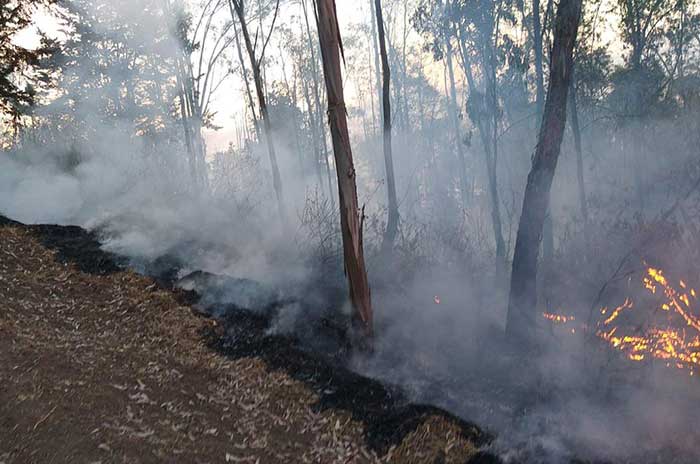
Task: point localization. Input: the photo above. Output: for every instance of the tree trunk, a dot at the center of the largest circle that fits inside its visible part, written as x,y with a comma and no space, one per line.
261,62
575,127
492,82
404,71
184,117
537,44
292,93
257,78
185,114
314,134
392,225
317,102
636,132
454,111
195,118
249,94
490,159
350,217
377,66
548,233
522,307
680,48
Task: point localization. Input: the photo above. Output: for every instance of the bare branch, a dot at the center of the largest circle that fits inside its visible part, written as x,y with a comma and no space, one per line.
272,27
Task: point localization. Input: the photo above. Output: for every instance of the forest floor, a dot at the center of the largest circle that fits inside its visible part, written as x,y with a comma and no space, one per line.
100,364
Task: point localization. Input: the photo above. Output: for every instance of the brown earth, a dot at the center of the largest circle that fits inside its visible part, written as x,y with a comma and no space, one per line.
102,365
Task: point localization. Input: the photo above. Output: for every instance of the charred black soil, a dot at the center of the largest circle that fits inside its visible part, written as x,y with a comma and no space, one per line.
102,364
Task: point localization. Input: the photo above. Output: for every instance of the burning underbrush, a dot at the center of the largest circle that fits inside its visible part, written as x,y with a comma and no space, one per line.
657,323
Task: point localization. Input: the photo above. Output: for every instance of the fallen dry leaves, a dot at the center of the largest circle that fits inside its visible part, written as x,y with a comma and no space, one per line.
112,368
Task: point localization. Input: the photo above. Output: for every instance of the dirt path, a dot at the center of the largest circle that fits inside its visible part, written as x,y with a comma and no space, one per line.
102,365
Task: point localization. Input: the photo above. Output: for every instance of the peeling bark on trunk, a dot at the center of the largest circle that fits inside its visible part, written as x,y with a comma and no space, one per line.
522,308
392,225
350,215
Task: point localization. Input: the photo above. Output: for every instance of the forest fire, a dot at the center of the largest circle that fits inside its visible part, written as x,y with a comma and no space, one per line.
274,189
670,333
558,318
663,338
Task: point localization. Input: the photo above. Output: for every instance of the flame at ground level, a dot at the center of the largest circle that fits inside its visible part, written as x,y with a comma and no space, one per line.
558,318
670,332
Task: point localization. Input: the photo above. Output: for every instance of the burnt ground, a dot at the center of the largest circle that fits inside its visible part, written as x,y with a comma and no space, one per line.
101,364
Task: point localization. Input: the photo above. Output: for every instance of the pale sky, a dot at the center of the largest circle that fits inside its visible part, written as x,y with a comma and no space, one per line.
229,103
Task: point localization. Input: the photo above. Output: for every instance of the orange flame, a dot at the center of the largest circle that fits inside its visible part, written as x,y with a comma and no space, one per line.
676,346
558,318
676,340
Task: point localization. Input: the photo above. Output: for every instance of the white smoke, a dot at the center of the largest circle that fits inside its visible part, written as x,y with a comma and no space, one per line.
440,316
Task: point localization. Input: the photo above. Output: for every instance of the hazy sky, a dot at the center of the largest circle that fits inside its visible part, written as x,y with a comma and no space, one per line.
229,103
